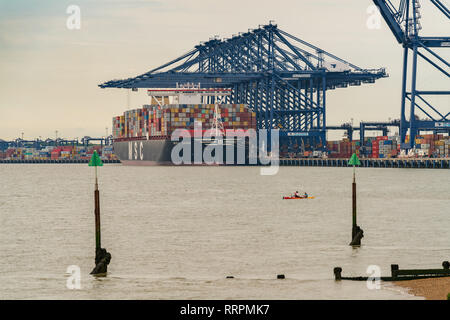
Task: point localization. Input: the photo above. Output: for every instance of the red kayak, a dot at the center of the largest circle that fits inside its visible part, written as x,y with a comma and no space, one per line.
297,198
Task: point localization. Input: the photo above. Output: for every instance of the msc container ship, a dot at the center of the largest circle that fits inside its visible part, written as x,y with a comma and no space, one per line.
144,136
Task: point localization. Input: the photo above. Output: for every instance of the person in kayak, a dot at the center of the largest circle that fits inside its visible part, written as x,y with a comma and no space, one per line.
305,195
296,194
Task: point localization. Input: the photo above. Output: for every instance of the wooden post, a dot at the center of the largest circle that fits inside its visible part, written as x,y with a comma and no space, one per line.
97,214
394,270
357,232
354,229
337,273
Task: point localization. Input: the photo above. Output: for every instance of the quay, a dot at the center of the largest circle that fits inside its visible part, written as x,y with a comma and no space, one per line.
432,163
415,163
67,161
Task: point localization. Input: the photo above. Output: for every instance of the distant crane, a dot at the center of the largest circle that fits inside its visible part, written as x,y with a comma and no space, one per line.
404,22
363,127
39,143
107,140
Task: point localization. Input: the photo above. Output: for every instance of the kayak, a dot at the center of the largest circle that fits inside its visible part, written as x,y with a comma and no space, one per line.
296,198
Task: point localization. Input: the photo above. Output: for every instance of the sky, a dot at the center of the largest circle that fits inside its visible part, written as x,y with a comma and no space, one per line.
49,74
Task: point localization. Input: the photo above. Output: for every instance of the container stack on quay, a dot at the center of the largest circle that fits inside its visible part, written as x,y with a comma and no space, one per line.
383,147
433,145
155,122
58,153
342,149
295,150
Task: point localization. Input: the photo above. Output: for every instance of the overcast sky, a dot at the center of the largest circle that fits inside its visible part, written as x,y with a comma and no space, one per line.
49,74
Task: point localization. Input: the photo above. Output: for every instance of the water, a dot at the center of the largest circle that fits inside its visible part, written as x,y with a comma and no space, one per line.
177,232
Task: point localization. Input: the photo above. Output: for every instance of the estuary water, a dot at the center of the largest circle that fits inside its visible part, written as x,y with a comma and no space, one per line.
177,232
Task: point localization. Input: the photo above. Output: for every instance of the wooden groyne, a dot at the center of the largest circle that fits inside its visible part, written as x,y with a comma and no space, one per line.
398,274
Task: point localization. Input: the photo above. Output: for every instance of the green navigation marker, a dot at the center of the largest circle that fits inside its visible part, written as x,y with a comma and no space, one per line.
95,160
354,160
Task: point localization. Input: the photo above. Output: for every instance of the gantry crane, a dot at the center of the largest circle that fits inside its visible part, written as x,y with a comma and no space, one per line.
282,78
404,22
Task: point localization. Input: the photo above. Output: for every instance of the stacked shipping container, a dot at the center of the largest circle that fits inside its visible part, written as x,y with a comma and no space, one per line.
58,153
433,145
387,147
156,121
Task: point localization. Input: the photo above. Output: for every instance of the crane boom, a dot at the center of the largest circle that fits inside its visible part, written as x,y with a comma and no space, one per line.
392,18
404,23
441,7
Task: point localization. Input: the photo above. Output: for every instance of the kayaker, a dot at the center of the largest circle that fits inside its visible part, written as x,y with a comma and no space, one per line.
305,195
296,194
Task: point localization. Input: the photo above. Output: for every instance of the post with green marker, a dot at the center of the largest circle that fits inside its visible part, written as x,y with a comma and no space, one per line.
357,232
102,257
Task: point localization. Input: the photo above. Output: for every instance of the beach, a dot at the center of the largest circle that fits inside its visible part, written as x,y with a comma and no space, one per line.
430,289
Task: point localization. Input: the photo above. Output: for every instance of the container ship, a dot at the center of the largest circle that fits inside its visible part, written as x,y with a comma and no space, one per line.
144,136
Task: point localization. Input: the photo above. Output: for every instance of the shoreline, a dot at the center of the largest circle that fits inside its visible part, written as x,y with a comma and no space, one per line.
430,289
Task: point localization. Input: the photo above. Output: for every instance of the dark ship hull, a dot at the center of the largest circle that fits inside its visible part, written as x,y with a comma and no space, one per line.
159,152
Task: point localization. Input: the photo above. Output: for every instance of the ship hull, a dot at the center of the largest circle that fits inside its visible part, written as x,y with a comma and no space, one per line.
144,152
159,152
